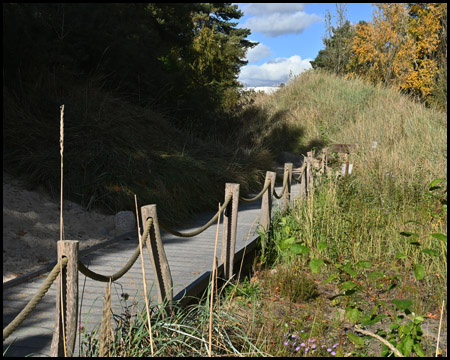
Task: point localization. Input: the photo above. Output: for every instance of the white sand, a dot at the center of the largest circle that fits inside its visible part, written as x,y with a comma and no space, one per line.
31,227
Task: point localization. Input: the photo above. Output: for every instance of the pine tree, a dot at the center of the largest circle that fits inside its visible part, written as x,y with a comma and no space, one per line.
336,55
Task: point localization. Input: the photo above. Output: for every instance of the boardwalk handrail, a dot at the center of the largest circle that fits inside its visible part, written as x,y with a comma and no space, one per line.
285,183
104,278
14,324
203,228
257,197
70,263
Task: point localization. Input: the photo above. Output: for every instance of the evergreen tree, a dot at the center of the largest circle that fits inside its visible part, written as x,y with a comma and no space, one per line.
336,55
185,55
212,64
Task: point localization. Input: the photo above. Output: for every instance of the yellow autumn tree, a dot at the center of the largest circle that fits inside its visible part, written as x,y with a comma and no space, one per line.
426,26
399,46
382,50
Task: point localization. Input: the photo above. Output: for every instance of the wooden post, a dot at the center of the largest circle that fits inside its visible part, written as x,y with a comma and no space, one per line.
309,177
287,194
346,165
69,292
229,229
303,180
157,255
324,161
266,205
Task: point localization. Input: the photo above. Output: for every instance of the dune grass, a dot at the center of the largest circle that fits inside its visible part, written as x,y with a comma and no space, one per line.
380,223
373,226
115,149
384,226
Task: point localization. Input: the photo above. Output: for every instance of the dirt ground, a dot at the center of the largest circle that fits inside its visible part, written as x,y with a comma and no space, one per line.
31,227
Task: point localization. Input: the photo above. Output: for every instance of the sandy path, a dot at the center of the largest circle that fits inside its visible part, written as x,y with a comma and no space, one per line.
31,227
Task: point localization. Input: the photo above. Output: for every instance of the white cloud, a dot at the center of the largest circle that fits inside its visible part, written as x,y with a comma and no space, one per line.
265,89
263,9
257,53
278,23
273,72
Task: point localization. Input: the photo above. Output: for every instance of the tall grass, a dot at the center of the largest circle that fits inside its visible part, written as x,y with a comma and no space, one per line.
360,219
115,148
184,331
412,139
382,216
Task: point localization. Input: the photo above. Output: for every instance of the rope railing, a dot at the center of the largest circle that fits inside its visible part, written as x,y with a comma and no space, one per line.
204,227
285,185
103,278
152,238
257,197
302,170
13,325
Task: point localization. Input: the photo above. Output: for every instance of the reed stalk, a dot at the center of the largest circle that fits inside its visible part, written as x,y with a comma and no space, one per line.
214,274
143,278
61,223
439,331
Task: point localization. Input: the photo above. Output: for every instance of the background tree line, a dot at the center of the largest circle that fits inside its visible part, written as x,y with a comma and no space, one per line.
183,58
405,46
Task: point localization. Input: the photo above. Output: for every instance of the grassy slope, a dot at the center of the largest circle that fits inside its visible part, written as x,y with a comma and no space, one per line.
412,140
390,184
361,221
114,149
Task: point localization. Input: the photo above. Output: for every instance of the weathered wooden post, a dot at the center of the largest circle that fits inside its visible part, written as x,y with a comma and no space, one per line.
266,205
303,180
67,287
346,165
229,229
287,179
309,177
157,255
324,161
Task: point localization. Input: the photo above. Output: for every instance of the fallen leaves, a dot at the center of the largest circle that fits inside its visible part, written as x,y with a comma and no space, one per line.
432,316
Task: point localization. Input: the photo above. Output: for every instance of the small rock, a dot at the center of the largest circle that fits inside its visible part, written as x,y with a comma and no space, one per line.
124,221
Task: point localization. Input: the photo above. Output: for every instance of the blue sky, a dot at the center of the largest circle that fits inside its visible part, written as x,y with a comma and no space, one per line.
290,36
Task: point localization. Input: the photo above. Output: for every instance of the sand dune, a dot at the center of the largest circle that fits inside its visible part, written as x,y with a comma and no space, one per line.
31,227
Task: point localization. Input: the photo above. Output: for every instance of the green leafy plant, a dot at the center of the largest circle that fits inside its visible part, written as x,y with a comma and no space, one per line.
362,280
354,279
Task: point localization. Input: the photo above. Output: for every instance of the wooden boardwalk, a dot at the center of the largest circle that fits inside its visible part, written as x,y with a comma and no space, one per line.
189,260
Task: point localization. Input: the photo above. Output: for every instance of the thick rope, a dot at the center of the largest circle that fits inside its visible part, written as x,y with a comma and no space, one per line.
34,300
204,227
302,169
257,196
89,273
282,191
